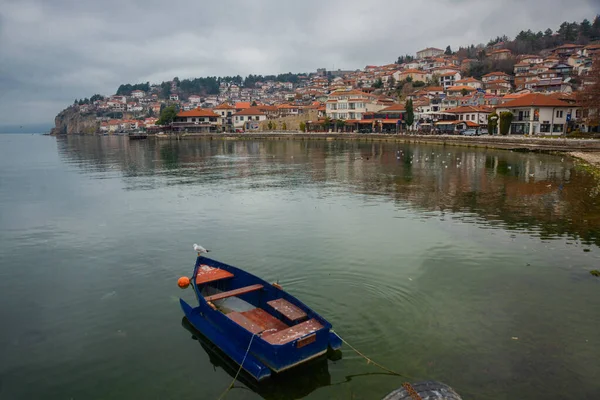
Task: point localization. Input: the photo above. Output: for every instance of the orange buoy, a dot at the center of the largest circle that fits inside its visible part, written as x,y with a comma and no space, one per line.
183,282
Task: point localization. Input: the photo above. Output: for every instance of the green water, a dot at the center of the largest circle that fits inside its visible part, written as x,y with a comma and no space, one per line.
467,266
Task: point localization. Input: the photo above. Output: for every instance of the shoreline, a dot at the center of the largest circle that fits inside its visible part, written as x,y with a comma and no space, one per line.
591,158
518,143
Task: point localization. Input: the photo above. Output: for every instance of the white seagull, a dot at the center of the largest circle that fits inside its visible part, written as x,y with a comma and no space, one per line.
199,249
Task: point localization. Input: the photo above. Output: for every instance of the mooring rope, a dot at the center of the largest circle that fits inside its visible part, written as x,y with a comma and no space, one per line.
222,396
406,385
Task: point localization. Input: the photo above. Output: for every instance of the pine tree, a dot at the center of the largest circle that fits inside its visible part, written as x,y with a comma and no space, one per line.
410,113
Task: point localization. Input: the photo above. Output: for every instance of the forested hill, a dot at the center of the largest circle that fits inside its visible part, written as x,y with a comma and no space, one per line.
207,86
526,42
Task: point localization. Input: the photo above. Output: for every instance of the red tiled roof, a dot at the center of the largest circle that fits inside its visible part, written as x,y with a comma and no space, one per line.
250,111
224,106
468,109
242,105
535,100
497,73
434,89
395,107
197,112
460,88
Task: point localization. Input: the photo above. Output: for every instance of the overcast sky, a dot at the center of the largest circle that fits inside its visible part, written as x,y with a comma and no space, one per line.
54,51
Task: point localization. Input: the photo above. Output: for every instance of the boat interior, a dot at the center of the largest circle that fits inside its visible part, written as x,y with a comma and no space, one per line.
277,321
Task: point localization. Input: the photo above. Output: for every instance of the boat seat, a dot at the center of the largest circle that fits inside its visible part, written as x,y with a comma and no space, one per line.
235,292
265,320
287,309
244,322
257,320
208,274
294,332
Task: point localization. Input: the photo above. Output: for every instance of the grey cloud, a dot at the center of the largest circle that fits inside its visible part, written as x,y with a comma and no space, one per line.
56,50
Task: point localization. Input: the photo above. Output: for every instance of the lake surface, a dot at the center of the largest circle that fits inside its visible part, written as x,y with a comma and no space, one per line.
467,266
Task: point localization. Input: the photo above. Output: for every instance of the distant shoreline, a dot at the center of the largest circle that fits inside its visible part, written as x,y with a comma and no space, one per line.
516,143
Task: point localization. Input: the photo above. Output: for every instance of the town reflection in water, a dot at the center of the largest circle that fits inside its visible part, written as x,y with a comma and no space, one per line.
546,194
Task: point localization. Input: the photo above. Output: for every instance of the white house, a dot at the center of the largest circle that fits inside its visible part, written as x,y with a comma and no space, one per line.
472,114
194,98
449,79
134,107
351,104
197,120
538,114
493,76
138,94
249,119
174,97
472,82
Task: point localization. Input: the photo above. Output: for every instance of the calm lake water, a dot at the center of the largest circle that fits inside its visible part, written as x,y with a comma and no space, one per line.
467,266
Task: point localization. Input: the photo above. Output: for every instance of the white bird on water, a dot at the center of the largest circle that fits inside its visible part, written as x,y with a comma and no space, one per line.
199,249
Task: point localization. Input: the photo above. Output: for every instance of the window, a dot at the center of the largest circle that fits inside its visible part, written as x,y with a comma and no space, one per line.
559,114
473,117
577,113
193,119
558,127
468,116
545,128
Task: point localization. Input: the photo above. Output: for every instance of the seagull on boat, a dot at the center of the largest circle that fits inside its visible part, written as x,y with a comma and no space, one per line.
199,249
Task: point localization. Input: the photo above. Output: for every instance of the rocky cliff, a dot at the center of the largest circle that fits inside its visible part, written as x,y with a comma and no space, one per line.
71,121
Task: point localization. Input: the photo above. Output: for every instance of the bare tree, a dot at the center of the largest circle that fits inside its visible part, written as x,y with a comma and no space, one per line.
589,96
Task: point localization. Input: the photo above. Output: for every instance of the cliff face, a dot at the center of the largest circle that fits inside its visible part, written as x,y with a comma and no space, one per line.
71,121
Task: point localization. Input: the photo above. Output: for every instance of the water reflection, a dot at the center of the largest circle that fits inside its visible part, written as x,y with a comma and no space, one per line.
303,381
537,192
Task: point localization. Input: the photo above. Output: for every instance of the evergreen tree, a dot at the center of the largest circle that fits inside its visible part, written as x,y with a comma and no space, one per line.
448,51
410,113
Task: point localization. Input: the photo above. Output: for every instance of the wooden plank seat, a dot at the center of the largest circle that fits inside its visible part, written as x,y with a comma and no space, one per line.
294,332
245,323
208,274
257,321
235,292
287,309
266,320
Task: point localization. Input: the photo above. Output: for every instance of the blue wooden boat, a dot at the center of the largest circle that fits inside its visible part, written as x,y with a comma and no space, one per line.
257,324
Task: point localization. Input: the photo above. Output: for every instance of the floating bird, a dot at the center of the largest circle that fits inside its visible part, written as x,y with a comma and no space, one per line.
199,249
531,175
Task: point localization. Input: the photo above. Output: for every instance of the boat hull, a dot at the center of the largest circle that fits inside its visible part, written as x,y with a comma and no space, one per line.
262,356
250,364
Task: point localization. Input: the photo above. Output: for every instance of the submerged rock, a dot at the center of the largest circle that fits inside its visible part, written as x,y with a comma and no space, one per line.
428,390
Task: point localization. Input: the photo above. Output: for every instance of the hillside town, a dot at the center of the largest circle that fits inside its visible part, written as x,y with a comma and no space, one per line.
540,92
